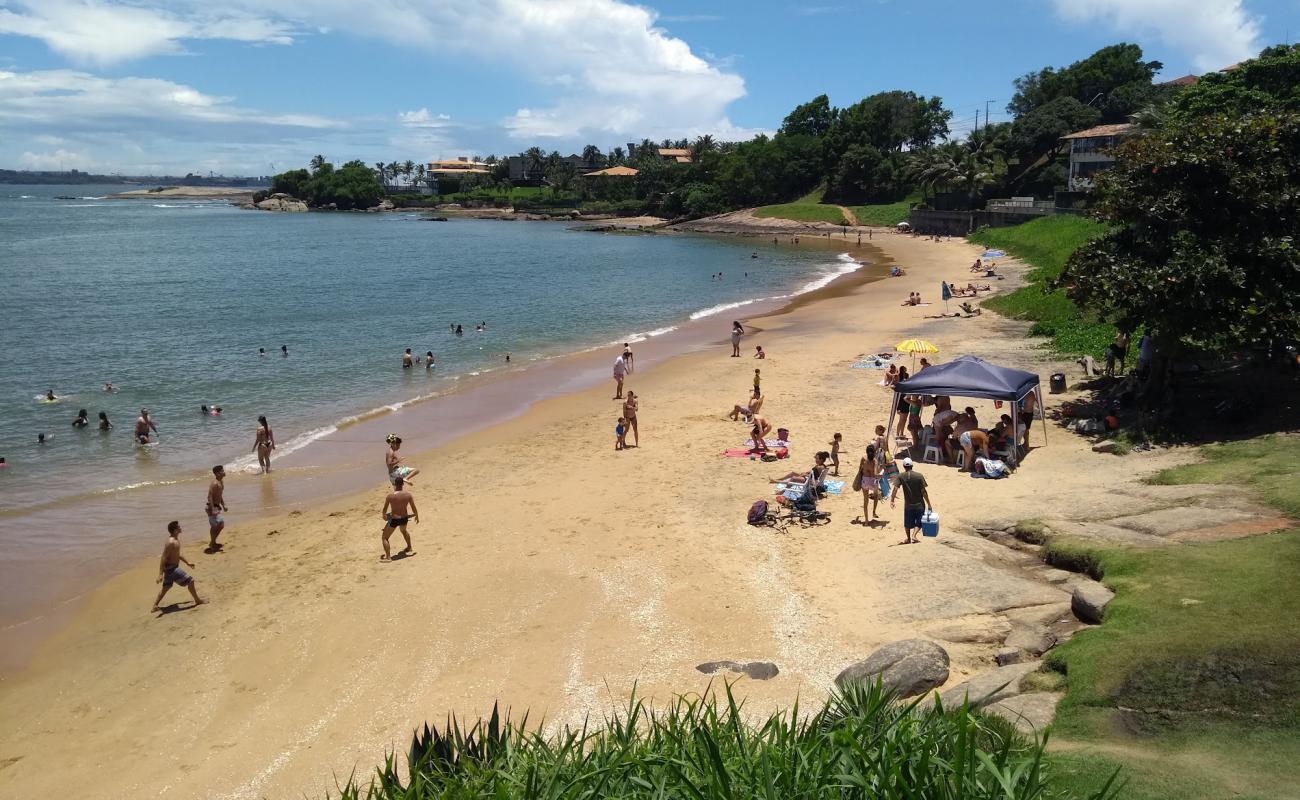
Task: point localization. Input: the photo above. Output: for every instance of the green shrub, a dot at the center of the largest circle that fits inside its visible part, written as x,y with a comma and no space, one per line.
860,744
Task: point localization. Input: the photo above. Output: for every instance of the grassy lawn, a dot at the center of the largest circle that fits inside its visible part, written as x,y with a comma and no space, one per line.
803,212
1192,684
1046,244
886,213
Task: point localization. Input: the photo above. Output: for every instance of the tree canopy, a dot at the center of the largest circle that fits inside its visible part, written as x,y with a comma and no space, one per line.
351,186
1270,82
1117,73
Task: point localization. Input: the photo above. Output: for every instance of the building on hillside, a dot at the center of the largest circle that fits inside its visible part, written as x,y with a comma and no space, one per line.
612,172
525,173
1091,152
673,155
453,169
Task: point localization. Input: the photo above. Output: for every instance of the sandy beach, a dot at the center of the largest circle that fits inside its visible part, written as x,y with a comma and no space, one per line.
551,573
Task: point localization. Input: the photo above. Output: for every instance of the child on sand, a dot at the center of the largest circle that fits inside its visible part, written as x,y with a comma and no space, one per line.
758,352
835,452
620,434
758,378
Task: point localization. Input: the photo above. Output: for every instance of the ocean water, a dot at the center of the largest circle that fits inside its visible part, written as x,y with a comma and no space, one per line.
171,300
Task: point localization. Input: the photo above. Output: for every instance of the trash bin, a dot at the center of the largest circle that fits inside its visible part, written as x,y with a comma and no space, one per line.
1056,384
929,524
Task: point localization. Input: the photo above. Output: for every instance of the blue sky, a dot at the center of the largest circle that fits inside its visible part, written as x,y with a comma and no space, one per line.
240,85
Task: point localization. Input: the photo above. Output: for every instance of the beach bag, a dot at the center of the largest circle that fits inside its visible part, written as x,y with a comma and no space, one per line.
857,482
757,513
884,486
891,472
783,434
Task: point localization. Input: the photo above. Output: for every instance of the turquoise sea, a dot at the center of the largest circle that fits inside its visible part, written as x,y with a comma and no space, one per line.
171,301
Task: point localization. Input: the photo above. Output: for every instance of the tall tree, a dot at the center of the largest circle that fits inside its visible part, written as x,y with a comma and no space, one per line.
1203,250
381,170
317,162
534,163
408,169
592,156
813,118
1114,79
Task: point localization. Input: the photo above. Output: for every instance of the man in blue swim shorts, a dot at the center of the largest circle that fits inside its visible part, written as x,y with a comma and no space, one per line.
916,499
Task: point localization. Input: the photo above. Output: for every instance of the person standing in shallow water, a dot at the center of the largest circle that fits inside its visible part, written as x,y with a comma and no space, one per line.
264,444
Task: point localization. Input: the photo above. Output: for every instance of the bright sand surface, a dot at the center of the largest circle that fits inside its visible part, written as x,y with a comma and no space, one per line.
552,574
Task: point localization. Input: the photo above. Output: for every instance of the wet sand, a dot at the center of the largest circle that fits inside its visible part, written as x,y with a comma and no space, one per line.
552,573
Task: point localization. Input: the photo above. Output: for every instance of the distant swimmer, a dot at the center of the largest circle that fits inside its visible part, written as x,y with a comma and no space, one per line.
104,424
284,350
507,358
394,462
50,396
460,331
42,438
483,325
753,255
428,360
407,359
3,463
108,387
169,567
478,328
81,421
264,444
399,509
143,425
261,351
210,411
215,505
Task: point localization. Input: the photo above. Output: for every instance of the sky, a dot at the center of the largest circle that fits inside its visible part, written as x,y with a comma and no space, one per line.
251,87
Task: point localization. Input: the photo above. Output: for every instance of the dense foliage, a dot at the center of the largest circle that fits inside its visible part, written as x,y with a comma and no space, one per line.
859,745
352,186
1206,210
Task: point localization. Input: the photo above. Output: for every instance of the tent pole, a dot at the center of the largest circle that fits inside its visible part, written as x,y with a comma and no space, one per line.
889,427
1041,410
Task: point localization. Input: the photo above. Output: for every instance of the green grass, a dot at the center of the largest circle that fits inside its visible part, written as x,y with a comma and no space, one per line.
859,745
886,213
1192,684
1046,244
803,212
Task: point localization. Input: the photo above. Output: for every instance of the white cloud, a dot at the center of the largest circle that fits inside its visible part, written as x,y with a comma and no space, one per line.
423,119
603,69
58,160
1212,33
101,32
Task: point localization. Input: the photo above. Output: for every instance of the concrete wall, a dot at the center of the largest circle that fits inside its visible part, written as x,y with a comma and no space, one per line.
960,223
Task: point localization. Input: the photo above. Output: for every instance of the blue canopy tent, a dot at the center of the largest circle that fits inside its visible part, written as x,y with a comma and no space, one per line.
968,376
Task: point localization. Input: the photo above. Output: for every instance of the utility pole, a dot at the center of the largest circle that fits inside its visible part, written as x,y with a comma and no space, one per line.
977,120
986,112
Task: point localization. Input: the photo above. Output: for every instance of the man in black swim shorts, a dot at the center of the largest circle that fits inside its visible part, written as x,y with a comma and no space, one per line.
399,508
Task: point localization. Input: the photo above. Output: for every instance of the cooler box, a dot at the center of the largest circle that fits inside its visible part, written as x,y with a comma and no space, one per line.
1056,384
929,524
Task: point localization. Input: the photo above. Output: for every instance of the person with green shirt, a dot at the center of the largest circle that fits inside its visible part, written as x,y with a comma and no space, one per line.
916,500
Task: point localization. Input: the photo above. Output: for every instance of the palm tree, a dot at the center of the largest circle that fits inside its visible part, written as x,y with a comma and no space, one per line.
703,144
419,173
616,157
317,162
408,169
591,155
534,162
395,170
382,171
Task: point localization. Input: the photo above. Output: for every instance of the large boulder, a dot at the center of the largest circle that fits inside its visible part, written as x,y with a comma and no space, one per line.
282,202
908,667
989,687
1089,601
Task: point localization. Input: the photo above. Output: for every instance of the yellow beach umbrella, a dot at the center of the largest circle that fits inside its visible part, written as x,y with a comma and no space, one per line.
914,346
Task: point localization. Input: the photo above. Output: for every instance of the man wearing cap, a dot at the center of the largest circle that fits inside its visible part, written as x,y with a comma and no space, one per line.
916,499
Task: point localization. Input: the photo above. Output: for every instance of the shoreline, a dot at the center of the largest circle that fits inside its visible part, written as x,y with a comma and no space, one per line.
323,465
552,574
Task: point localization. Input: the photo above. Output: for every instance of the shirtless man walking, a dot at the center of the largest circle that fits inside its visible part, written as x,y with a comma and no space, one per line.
169,567
620,372
215,505
143,425
399,508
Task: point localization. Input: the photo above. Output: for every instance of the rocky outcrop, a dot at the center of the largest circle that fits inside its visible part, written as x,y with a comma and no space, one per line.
281,202
1089,601
989,687
1030,713
908,667
758,670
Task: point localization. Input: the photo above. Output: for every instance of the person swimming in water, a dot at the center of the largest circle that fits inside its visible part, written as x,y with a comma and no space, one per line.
81,421
50,396
261,351
108,387
104,424
407,360
428,360
284,350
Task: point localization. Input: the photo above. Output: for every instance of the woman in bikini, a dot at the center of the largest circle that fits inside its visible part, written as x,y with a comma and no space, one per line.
264,444
630,406
870,469
737,331
394,462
